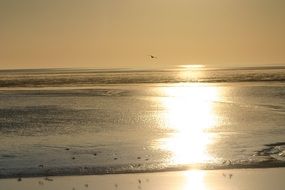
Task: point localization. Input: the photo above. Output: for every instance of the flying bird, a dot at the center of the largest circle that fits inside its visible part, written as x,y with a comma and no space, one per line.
152,56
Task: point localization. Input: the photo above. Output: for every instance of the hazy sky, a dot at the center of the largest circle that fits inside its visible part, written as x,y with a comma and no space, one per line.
121,33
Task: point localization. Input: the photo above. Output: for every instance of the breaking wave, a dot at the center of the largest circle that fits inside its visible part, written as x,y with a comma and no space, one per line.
74,78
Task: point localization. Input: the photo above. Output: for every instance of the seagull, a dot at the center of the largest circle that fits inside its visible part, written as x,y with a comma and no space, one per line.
152,56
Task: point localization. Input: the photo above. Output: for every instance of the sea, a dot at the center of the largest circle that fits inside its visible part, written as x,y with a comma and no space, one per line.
111,121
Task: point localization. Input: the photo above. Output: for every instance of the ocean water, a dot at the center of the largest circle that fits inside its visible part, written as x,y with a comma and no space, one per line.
79,121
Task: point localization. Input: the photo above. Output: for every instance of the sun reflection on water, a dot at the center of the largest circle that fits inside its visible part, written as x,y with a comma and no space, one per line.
189,113
195,180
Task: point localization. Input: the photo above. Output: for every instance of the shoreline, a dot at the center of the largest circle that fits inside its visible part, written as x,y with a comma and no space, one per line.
241,179
133,169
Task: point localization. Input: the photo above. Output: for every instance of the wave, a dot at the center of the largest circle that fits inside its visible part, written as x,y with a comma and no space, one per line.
75,78
124,169
272,156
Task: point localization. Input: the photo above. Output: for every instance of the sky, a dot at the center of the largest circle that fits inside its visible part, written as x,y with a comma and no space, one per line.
122,33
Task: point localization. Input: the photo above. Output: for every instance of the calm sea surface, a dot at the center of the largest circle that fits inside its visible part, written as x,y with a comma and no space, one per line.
72,122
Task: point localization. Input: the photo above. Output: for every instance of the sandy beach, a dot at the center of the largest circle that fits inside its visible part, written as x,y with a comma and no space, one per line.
234,179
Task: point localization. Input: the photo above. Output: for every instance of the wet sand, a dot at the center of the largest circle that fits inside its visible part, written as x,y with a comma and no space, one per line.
234,179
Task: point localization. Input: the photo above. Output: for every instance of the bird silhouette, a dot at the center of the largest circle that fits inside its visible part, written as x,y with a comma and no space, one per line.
152,56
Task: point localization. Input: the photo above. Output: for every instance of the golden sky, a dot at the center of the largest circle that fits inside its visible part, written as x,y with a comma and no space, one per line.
121,33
